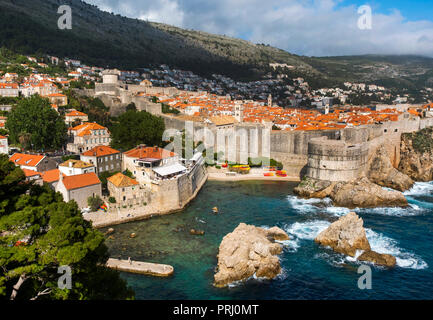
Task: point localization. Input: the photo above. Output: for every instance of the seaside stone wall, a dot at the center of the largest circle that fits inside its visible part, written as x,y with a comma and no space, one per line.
170,195
335,160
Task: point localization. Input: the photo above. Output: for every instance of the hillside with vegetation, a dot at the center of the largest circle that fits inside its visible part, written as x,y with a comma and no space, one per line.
110,40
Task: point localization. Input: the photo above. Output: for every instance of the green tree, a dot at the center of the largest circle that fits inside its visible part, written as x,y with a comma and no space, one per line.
38,233
131,106
134,128
37,123
95,203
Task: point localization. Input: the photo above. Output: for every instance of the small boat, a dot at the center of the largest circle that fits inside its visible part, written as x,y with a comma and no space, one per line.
215,210
268,174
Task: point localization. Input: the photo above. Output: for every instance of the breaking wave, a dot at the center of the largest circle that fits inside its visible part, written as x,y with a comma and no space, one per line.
384,244
420,189
378,242
307,230
315,206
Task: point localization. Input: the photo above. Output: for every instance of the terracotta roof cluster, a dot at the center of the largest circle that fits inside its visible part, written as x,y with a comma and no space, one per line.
122,181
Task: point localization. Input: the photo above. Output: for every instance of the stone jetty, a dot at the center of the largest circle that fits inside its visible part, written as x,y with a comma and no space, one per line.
151,269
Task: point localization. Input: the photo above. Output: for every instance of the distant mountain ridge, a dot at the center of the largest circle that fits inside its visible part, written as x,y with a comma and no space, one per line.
107,39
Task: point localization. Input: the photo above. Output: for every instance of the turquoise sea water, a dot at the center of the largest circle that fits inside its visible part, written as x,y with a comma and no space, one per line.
309,271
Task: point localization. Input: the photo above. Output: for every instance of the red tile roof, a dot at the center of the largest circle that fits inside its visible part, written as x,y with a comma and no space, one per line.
120,180
31,173
80,181
22,159
100,151
51,175
76,113
149,152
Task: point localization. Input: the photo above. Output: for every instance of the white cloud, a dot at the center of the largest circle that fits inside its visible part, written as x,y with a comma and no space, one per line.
308,27
165,11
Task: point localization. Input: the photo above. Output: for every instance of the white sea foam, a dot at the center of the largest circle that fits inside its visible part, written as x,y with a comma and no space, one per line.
412,210
303,205
384,244
420,188
338,211
307,206
307,230
378,242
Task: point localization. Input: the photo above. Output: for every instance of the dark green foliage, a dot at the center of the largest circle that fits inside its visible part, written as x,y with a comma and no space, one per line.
131,107
9,100
38,233
128,173
35,124
167,109
422,141
82,84
93,107
73,157
103,177
112,200
261,161
134,128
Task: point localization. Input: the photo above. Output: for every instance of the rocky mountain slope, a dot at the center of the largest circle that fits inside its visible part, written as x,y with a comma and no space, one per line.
107,39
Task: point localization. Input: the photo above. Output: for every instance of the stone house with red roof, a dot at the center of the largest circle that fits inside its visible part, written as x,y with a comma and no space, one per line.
74,115
58,99
34,162
9,90
142,160
79,188
126,191
87,136
104,158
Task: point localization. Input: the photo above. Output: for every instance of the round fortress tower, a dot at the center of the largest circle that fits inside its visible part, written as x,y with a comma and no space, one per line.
110,76
335,160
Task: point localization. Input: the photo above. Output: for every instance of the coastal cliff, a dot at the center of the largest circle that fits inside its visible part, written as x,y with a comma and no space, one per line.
417,155
382,172
248,251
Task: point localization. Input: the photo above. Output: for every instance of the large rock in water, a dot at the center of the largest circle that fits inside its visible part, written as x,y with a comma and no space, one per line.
365,194
314,188
347,235
384,174
246,251
416,155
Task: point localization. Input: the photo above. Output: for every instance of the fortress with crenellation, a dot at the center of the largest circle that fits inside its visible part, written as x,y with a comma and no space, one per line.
340,154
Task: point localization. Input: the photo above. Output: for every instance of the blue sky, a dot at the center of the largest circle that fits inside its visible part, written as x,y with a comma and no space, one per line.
304,27
411,10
